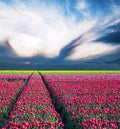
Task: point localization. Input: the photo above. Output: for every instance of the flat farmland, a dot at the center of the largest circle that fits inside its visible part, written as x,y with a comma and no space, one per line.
59,99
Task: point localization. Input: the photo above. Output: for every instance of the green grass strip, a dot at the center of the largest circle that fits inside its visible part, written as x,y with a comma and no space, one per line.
60,71
80,71
17,71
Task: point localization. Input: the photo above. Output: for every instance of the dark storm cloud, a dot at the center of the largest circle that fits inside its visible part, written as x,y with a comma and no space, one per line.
111,35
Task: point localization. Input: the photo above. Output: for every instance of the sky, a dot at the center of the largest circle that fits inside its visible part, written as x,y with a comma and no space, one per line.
59,34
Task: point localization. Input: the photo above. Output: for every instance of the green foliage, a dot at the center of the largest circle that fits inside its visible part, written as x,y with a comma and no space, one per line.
73,125
80,118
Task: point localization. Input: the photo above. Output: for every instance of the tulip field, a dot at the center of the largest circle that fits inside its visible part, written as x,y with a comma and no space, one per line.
87,101
59,101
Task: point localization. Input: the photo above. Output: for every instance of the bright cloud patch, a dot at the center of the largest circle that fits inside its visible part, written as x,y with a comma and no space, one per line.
90,50
81,5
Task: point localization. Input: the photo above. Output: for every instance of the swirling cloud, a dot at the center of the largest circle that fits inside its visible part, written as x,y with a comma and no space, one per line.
35,28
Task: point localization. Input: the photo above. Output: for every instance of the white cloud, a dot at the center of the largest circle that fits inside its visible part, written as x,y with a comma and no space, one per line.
87,48
26,62
33,31
90,50
81,5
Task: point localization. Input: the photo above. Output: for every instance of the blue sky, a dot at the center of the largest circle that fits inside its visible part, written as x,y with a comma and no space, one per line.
69,7
69,30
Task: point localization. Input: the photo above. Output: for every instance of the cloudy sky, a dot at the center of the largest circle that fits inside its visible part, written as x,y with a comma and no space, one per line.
60,34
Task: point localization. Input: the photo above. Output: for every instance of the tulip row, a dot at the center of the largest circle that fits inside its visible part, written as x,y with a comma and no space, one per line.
8,90
12,77
88,101
8,93
34,108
